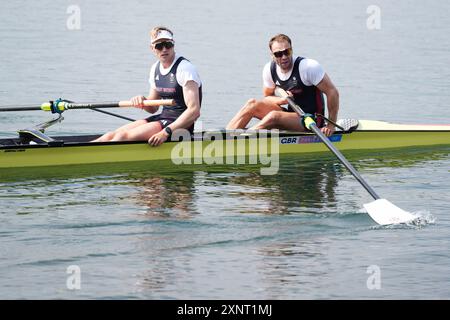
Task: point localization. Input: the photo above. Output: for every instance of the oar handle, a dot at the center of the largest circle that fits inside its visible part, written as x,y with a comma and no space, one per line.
149,103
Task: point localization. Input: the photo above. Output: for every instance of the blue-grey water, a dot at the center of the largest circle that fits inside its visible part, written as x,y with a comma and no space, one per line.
227,233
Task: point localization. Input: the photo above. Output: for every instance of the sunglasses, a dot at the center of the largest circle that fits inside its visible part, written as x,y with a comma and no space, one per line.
287,52
165,44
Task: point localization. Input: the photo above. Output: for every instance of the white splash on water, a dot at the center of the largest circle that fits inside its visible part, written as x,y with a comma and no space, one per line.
422,219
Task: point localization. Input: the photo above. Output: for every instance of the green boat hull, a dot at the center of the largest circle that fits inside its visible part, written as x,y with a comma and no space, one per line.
247,149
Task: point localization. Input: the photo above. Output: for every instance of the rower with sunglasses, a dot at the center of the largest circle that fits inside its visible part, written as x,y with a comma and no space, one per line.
304,79
171,77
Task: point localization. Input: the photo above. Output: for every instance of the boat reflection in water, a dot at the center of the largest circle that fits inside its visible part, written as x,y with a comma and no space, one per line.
167,196
181,193
308,184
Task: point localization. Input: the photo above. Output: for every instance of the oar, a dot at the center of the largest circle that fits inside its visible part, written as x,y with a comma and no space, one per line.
380,210
60,106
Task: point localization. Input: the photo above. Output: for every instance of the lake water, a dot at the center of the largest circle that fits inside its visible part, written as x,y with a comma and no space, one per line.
226,233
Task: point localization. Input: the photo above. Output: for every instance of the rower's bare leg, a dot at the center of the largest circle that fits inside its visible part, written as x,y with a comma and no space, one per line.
110,135
280,120
252,109
140,133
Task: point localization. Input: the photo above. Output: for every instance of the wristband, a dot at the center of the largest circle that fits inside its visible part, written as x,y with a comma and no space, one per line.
168,130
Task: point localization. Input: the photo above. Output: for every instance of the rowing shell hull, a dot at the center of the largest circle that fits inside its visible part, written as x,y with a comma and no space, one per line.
248,148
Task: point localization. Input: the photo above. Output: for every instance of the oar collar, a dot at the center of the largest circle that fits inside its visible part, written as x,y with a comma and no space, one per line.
57,106
308,119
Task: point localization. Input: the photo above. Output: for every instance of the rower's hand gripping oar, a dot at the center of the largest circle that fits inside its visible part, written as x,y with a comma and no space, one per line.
380,210
60,106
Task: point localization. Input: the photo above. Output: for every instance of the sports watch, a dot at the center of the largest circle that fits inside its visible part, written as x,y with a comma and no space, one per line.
168,130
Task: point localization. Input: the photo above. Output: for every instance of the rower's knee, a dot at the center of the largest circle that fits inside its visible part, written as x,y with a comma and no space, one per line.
120,136
251,102
251,106
272,118
105,138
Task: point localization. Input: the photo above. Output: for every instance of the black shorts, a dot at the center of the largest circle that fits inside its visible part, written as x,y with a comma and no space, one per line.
165,121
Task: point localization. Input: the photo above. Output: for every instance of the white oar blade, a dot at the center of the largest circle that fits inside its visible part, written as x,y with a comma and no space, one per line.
384,212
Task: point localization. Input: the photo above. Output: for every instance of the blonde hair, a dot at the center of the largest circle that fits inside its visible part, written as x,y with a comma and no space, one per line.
279,37
154,32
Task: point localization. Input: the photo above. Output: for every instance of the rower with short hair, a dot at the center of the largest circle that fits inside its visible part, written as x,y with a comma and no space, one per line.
171,77
303,78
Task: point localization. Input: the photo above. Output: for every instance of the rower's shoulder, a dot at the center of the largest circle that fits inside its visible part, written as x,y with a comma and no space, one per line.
153,67
184,61
266,69
309,63
186,64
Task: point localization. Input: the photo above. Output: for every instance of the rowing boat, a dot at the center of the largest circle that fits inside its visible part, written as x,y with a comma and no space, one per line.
35,149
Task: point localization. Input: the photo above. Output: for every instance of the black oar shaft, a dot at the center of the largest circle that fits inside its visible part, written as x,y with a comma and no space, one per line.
67,106
20,109
91,105
333,149
64,105
154,103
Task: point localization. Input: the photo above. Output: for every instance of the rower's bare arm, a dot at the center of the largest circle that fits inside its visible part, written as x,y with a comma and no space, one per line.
192,99
327,87
269,95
